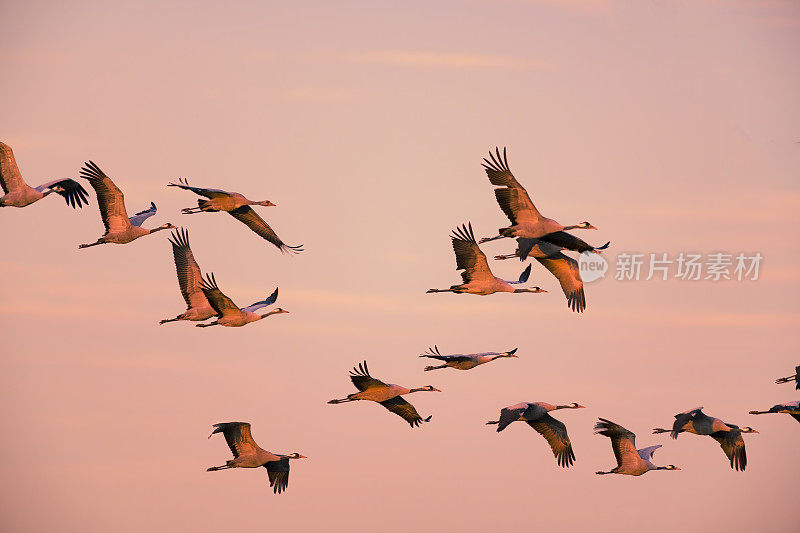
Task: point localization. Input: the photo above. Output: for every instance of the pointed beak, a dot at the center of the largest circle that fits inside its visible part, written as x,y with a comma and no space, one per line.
590,227
437,390
512,352
301,456
581,406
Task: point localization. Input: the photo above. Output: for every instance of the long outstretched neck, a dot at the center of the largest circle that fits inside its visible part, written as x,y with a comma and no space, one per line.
656,431
439,290
490,422
760,412
427,368
265,203
159,228
169,320
582,225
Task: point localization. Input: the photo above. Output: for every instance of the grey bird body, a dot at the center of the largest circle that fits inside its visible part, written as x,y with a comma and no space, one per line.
477,277
17,193
189,279
536,415
388,395
695,421
526,220
790,408
228,313
729,436
120,229
464,361
238,206
248,454
630,461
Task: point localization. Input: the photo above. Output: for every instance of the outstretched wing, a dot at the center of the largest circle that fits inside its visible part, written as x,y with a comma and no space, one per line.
188,271
566,270
514,201
732,444
623,442
535,248
278,472
404,410
498,172
10,176
570,242
433,353
647,453
271,299
681,419
110,199
361,378
72,191
141,216
208,193
509,415
469,256
555,433
517,206
238,437
220,303
250,218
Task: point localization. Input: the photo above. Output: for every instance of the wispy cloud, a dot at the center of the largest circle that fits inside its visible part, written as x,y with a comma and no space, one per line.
435,60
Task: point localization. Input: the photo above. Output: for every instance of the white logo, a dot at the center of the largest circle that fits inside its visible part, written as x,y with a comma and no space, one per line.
592,266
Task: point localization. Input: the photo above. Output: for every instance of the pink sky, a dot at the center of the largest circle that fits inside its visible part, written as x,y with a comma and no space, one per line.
671,126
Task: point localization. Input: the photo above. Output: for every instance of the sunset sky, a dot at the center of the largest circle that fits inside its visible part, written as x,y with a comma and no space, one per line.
672,126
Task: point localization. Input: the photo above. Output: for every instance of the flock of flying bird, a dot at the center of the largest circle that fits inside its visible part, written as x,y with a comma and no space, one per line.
539,237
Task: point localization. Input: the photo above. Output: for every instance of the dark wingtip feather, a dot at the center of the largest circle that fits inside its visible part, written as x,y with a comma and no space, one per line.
272,298
525,274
